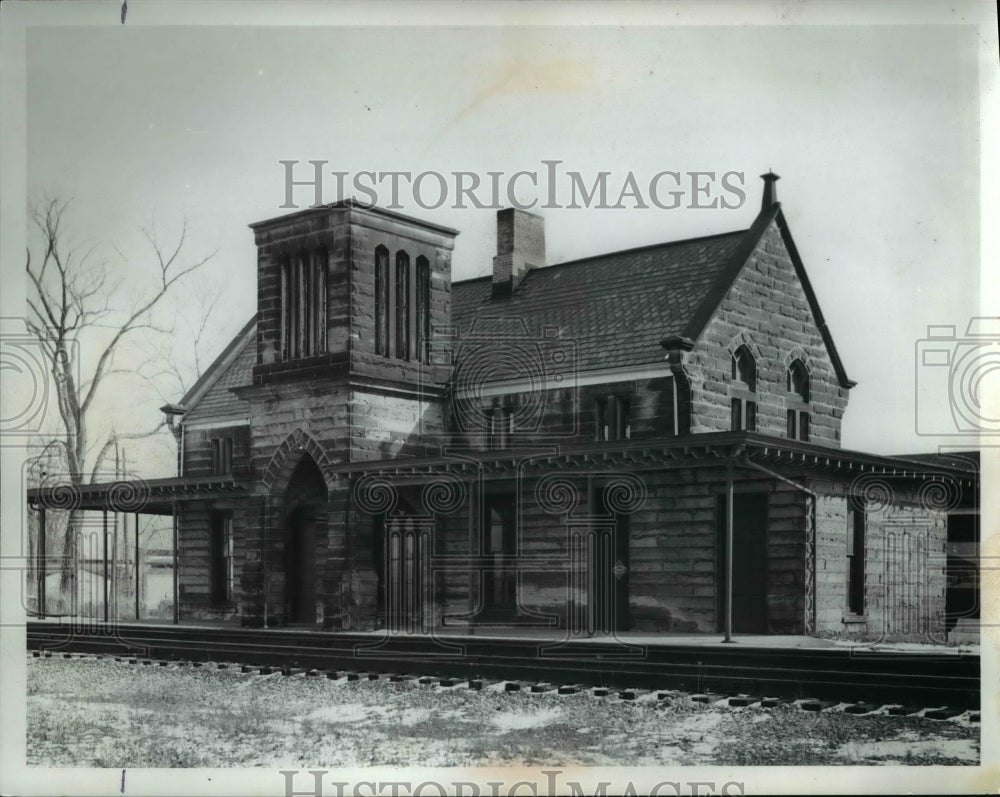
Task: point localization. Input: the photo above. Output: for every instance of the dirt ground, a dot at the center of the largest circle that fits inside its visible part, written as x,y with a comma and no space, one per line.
101,713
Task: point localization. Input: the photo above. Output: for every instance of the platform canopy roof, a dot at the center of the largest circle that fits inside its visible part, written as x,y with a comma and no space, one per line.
146,496
744,450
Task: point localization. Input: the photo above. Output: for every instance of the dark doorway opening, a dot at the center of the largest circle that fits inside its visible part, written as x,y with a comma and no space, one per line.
962,568
499,547
305,510
608,564
749,562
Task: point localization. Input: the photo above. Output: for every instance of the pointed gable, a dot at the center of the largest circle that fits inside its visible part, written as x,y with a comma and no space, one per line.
211,398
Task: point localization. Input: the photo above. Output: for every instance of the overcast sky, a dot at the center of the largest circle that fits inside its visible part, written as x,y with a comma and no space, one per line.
874,131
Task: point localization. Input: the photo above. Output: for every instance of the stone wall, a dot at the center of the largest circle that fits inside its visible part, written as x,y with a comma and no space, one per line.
767,309
904,593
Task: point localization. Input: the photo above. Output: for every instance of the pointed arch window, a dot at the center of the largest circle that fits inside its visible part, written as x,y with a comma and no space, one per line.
402,305
423,309
382,301
743,390
303,304
797,401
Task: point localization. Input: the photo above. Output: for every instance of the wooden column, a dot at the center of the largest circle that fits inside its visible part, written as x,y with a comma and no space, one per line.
40,569
176,574
104,548
729,553
138,569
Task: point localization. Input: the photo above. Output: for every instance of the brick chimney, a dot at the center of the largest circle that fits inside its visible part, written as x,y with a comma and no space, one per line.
520,247
770,198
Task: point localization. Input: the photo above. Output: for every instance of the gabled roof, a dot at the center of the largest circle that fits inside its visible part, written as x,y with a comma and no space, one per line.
210,395
616,308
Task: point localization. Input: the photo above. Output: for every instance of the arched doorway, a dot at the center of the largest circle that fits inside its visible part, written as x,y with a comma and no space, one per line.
305,514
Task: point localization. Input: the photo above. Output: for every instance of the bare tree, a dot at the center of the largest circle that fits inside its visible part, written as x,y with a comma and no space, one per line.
71,296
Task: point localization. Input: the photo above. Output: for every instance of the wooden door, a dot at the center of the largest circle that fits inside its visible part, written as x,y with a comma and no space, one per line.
749,562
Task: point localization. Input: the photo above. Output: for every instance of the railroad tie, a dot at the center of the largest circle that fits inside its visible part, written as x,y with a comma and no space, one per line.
426,680
942,713
479,684
811,704
512,686
600,691
861,708
448,682
707,697
332,675
291,671
540,687
770,702
569,689
902,711
741,701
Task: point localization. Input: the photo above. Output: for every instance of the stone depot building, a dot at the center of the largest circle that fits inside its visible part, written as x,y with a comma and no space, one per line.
595,446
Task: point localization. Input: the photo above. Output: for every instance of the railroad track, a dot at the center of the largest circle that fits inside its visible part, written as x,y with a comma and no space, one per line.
947,681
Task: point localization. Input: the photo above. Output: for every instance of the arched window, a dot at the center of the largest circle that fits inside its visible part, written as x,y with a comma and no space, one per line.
382,301
402,305
745,368
318,292
797,384
798,380
423,309
287,309
743,390
303,304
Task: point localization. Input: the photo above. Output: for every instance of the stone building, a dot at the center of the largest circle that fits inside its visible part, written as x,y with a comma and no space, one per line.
646,440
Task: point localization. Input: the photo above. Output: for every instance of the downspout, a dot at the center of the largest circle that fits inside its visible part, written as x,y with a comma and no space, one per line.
729,552
810,539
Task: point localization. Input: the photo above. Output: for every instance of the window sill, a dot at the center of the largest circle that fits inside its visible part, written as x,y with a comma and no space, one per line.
854,619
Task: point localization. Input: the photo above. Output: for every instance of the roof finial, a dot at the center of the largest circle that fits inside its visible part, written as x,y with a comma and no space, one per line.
770,198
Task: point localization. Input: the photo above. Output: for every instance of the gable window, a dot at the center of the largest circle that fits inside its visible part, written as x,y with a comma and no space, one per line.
222,455
856,519
382,301
743,391
612,418
423,309
303,304
797,413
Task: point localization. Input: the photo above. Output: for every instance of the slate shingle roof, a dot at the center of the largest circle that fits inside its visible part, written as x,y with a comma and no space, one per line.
615,308
208,399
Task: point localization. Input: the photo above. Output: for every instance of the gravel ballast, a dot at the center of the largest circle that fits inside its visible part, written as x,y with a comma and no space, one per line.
105,713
